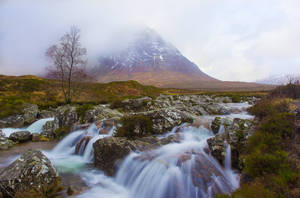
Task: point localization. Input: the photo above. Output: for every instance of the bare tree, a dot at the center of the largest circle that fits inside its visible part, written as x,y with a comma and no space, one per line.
68,62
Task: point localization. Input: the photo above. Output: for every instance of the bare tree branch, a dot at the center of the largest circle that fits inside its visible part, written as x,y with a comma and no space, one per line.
68,62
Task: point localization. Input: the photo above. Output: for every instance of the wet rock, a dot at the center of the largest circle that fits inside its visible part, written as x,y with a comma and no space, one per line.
20,136
81,127
32,175
105,126
49,129
46,114
215,125
81,145
30,113
166,119
5,143
236,134
35,137
100,112
66,116
135,105
109,152
15,121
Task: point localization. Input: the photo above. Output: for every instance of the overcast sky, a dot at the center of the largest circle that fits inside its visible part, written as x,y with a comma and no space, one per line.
241,40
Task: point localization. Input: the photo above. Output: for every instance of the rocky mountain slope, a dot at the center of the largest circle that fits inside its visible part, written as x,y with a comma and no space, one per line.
150,60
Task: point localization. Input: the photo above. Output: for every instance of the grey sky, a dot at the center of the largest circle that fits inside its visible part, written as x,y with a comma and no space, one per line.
228,39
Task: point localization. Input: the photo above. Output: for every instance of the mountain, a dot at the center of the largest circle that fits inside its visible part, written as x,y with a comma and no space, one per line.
149,59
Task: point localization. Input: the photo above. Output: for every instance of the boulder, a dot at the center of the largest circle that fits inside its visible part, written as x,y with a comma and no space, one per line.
30,112
49,129
166,119
46,114
32,175
110,151
100,112
215,125
66,116
15,121
236,134
5,143
135,105
20,136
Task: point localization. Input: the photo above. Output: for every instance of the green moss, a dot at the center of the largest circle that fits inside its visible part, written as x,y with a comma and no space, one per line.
131,123
81,109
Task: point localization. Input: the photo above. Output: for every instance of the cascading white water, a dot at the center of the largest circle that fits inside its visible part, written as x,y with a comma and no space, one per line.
172,171
36,127
176,170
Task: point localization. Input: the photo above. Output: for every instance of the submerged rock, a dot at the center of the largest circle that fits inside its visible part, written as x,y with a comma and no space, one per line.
32,175
20,136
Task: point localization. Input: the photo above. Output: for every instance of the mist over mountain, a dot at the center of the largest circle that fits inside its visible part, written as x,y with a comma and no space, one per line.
149,59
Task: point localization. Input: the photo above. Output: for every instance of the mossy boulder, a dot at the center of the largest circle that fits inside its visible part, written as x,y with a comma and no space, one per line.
5,143
215,125
30,112
31,175
66,116
20,136
110,151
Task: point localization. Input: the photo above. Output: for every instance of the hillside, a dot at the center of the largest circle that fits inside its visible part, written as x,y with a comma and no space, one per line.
17,90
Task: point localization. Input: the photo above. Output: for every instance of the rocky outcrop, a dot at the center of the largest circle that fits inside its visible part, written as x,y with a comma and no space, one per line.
166,119
30,112
236,134
136,105
66,116
20,136
16,121
32,175
46,114
100,112
49,129
5,143
109,152
215,125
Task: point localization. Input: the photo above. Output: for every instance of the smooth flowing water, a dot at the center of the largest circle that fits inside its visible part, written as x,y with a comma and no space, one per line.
177,170
36,127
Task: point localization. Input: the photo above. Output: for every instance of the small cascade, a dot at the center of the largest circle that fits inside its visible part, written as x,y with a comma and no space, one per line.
228,170
36,127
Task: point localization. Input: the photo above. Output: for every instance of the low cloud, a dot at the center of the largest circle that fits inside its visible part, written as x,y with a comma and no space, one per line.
229,40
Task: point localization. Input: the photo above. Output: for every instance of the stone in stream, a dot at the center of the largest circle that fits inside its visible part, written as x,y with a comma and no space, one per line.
5,143
110,151
30,113
31,175
236,134
20,136
215,125
15,121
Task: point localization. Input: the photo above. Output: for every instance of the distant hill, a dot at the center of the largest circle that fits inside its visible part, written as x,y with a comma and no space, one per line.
279,79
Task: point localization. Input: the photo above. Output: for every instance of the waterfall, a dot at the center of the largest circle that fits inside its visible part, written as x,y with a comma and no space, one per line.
36,127
175,170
